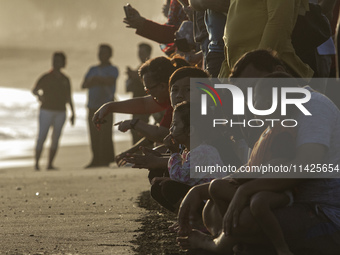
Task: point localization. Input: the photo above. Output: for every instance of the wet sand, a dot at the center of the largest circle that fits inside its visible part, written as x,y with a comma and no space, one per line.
72,210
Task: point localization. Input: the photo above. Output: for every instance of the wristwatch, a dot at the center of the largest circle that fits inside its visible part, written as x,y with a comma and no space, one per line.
133,123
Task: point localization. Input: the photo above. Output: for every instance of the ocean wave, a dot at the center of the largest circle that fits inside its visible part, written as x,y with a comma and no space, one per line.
7,134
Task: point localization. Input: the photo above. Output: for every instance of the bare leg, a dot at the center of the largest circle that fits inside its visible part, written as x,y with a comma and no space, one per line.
221,192
50,159
57,129
212,218
45,121
199,240
261,207
37,158
247,232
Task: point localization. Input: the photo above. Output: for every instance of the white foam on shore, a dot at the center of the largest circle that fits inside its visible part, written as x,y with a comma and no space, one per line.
14,163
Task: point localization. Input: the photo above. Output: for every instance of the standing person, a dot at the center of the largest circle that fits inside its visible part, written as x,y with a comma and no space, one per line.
134,84
53,90
264,25
100,80
215,19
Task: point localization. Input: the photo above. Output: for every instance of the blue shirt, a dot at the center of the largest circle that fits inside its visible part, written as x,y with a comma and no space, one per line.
99,95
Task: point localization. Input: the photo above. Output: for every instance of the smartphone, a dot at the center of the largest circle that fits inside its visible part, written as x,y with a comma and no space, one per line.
126,10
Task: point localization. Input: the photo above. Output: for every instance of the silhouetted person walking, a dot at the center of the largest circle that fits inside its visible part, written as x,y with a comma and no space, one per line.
53,90
100,80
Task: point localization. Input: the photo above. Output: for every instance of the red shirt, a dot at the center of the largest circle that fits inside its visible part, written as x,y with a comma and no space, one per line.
167,118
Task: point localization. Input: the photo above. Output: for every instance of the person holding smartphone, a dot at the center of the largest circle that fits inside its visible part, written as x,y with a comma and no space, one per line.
161,33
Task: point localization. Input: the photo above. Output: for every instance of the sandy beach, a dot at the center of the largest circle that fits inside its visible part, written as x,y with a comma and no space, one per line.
72,210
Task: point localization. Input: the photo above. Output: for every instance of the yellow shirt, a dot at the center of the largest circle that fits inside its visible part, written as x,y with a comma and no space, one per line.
263,24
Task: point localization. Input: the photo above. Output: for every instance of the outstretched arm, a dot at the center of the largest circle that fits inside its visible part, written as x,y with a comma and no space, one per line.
150,159
120,159
149,29
138,105
151,132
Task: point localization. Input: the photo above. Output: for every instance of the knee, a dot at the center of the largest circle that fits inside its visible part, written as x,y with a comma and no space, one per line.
54,144
259,204
168,186
40,142
155,191
215,188
169,190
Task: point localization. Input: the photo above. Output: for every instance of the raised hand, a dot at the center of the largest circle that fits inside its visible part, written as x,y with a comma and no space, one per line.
134,19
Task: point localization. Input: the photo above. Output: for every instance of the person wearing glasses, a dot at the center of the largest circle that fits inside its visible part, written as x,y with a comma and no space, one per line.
155,74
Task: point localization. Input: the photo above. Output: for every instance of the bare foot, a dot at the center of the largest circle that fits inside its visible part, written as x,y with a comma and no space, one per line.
174,228
196,240
51,168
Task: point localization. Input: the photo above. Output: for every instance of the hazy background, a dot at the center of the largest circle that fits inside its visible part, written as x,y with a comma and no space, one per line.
30,31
